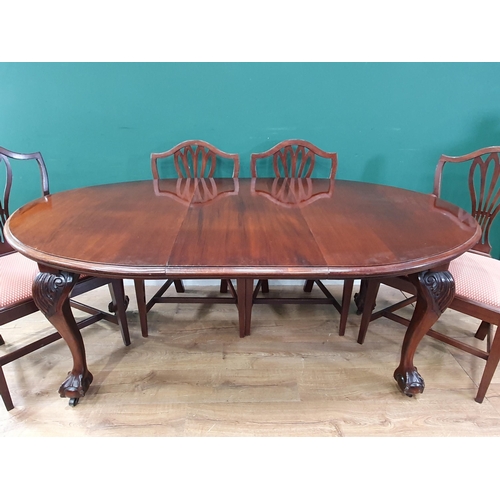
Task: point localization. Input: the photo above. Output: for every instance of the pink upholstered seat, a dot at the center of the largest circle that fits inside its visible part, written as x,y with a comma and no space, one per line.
16,279
477,279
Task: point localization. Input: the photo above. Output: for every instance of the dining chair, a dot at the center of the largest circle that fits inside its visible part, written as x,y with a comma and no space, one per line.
296,159
17,274
476,273
195,164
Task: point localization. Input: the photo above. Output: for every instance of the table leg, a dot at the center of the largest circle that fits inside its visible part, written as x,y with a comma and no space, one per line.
361,296
435,291
244,288
51,290
140,293
366,303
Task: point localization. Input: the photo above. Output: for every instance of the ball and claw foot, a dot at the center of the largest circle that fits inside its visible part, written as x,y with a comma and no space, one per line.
75,387
410,382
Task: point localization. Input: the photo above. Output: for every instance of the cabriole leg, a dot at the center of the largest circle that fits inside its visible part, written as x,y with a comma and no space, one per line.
51,290
435,291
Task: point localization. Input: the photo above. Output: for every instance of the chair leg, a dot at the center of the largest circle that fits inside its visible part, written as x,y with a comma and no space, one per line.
483,330
2,341
140,293
4,392
264,286
179,286
346,300
489,369
308,285
359,298
120,304
223,286
372,287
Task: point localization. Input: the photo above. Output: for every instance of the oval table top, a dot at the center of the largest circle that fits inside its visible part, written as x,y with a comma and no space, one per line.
241,227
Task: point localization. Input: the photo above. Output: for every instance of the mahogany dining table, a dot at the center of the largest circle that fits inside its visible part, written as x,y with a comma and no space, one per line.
241,229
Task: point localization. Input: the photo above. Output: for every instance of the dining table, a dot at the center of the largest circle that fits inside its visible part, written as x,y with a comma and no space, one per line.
242,230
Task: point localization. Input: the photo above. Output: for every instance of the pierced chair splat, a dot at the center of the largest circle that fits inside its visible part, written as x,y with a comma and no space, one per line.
198,167
292,163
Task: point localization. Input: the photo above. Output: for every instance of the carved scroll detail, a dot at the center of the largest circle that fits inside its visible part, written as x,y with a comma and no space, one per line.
49,288
441,287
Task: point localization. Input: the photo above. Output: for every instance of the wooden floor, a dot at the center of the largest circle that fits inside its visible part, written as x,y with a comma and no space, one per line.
293,376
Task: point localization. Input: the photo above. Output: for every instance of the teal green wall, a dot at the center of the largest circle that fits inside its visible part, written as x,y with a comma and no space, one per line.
389,122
